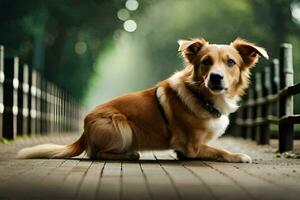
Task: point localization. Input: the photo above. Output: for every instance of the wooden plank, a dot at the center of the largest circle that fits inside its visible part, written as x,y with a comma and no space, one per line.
158,181
110,187
90,182
162,177
22,175
289,179
188,186
73,179
221,186
133,183
256,188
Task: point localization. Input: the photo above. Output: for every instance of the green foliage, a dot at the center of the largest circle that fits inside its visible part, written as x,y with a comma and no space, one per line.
4,141
45,33
162,23
81,46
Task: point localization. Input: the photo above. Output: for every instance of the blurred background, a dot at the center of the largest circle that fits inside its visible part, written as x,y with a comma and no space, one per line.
98,49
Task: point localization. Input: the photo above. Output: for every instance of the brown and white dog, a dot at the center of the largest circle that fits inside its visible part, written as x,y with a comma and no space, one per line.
183,112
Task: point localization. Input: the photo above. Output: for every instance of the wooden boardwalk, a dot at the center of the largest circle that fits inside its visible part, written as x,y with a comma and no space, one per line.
158,175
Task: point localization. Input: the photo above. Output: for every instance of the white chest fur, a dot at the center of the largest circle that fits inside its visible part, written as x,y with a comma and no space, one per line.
218,126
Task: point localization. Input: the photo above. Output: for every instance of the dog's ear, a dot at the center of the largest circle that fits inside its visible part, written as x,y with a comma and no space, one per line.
190,48
249,51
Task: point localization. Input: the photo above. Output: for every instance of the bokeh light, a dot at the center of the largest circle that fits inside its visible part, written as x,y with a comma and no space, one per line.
80,47
295,10
123,14
130,25
132,5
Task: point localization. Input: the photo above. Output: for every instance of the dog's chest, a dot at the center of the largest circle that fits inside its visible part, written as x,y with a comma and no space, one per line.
218,126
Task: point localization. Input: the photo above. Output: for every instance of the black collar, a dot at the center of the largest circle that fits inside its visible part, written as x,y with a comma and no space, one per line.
206,103
161,109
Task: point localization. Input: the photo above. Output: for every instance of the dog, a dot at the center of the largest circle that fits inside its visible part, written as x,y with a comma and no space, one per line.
183,112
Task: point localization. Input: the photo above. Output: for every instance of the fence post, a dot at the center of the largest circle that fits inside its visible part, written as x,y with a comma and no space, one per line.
43,105
63,111
59,110
38,103
286,103
275,75
244,113
68,116
19,81
32,101
258,116
1,89
51,106
266,90
55,108
25,87
10,92
275,82
250,115
76,119
29,104
74,115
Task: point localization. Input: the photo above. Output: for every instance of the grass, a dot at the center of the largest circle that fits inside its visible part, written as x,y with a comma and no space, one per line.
4,141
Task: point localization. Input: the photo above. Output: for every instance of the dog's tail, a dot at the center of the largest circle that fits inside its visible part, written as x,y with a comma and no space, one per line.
54,150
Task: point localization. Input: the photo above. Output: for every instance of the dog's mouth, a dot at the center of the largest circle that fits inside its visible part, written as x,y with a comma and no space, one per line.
217,88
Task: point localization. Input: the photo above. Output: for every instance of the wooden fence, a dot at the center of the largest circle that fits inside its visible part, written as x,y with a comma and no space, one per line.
270,101
30,104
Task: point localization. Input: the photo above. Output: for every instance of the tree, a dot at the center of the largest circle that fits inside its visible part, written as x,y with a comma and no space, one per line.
45,34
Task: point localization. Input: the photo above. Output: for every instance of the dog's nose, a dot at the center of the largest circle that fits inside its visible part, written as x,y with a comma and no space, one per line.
216,77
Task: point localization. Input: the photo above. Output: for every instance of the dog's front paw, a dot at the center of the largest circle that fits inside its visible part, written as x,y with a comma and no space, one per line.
180,155
238,158
133,155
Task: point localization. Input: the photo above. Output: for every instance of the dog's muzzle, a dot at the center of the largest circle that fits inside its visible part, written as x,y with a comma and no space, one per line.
216,81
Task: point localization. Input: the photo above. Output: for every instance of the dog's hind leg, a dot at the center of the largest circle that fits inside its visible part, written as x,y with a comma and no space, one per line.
109,133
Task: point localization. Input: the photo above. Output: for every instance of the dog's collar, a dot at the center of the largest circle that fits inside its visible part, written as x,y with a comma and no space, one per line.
206,103
161,109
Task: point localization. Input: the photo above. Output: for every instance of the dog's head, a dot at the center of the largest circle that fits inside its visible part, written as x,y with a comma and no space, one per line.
221,69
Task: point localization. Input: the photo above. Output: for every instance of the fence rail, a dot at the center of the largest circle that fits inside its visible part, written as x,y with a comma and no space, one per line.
30,104
270,101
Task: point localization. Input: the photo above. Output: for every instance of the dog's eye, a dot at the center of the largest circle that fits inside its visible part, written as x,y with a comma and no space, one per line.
206,62
230,63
